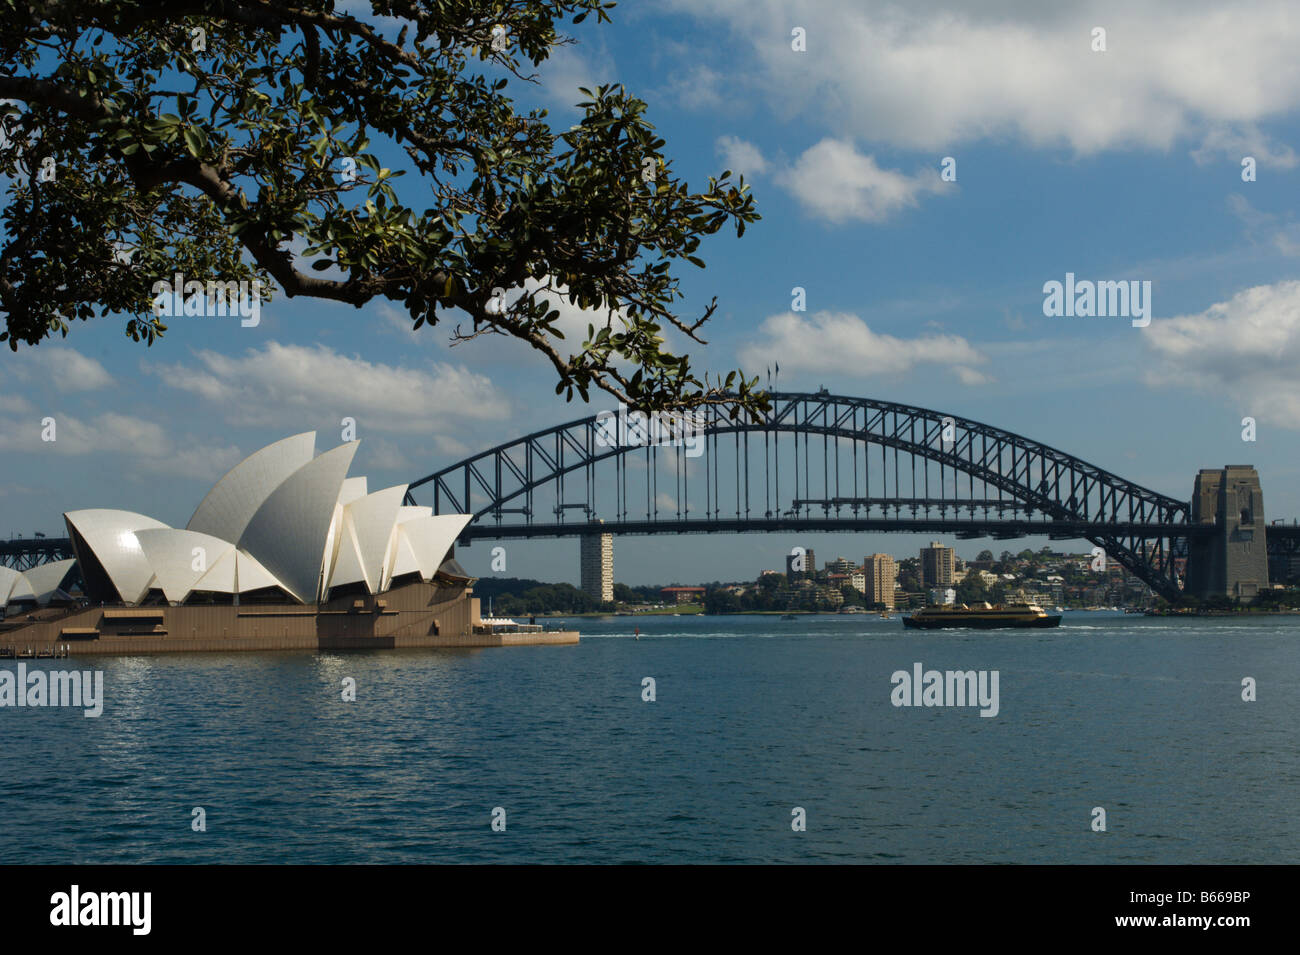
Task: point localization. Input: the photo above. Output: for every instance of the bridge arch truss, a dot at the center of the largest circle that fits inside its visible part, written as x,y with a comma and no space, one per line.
816,462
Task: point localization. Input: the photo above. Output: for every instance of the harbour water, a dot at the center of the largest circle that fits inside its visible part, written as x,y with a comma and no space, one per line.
753,716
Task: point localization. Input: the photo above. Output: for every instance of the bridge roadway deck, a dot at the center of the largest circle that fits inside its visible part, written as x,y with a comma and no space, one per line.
1002,530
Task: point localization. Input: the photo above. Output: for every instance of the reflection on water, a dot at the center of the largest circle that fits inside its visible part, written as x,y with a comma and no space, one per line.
753,716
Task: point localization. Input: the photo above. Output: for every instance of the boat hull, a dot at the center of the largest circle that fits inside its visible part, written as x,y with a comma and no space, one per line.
982,623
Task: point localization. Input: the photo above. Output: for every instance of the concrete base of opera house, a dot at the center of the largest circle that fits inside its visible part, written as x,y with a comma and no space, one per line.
418,614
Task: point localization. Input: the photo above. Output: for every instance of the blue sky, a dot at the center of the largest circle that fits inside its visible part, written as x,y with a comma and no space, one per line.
1115,165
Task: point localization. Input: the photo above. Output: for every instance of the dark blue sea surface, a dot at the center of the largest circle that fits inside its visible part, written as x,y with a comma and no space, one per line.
754,716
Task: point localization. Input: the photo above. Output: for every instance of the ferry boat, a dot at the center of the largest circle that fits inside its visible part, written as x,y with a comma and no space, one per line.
982,616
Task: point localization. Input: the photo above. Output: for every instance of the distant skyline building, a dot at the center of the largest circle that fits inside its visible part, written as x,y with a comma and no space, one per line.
938,566
807,565
596,559
840,565
682,595
942,596
880,575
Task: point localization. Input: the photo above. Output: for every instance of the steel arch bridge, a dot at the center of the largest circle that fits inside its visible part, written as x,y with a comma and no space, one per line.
816,462
26,553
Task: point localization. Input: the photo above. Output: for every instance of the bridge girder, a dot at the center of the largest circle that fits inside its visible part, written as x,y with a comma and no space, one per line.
26,553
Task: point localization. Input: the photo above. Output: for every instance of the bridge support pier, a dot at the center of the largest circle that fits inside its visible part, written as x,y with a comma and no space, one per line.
596,559
1234,562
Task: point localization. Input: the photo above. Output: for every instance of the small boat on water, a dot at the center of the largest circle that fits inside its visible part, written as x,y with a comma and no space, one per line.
982,616
788,616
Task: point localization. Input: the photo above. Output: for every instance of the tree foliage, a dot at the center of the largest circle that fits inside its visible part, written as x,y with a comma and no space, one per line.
213,138
510,596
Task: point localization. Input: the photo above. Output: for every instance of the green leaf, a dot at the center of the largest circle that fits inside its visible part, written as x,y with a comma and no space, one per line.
193,140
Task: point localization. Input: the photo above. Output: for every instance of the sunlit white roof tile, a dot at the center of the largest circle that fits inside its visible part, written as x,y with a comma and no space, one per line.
232,502
180,558
288,533
111,536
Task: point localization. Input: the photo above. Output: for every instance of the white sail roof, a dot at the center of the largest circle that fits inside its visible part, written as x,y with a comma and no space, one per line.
180,558
46,579
232,502
22,590
403,560
280,518
252,575
347,567
408,512
220,577
9,579
288,532
111,537
373,519
353,488
431,537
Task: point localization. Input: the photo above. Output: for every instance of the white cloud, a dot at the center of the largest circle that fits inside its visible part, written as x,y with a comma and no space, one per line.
292,386
699,87
399,323
571,323
66,368
839,342
969,376
1246,349
930,74
12,406
147,444
741,156
1265,227
835,181
574,321
1233,143
106,432
451,448
380,454
570,68
205,461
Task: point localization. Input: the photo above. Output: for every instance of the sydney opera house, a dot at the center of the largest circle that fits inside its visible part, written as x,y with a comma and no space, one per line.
285,552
